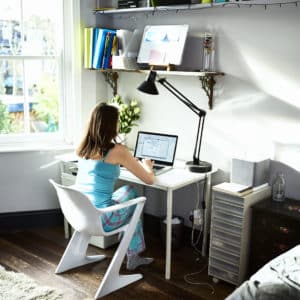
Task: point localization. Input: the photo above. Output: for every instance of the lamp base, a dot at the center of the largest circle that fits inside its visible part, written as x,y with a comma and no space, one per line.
201,167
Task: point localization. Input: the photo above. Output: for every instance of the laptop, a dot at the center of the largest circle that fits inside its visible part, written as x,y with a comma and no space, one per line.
158,147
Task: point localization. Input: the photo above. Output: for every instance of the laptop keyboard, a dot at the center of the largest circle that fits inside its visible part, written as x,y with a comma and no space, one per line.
157,167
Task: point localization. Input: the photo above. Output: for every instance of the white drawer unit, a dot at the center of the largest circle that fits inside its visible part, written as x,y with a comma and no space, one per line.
68,177
229,234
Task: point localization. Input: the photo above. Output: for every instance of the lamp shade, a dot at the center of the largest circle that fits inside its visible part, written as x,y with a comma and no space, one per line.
148,86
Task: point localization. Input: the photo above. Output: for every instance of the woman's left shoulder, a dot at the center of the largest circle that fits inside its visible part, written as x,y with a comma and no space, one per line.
118,148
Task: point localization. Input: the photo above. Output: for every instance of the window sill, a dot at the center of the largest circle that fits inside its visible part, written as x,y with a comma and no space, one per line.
10,148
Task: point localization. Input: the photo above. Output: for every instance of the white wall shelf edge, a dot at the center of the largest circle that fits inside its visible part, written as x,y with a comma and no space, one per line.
177,8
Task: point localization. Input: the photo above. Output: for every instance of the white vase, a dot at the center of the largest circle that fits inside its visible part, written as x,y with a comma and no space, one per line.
122,138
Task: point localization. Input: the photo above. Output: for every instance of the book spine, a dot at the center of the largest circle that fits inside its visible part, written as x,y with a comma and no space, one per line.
114,50
105,52
107,56
99,48
88,47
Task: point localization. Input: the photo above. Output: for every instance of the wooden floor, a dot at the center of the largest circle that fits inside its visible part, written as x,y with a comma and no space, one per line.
37,252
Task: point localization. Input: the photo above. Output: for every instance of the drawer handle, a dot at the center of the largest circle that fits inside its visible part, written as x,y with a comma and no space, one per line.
284,230
282,247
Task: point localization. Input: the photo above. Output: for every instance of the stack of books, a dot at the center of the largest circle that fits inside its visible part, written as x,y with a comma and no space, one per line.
100,44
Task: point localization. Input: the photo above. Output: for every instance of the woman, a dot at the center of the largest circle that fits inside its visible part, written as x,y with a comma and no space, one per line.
100,157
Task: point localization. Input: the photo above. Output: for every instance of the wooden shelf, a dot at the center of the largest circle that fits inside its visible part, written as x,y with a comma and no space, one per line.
187,7
207,79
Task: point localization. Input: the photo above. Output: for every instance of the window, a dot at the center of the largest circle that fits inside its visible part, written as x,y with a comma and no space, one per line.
31,68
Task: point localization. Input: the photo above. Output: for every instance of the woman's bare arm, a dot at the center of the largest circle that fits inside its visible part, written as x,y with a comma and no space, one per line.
141,169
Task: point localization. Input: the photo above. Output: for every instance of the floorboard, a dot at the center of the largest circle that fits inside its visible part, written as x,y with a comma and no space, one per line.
36,252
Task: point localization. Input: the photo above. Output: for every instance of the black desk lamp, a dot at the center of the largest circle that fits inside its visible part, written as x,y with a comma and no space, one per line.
149,87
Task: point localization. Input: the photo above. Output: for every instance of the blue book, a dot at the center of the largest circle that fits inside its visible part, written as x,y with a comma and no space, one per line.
99,44
107,51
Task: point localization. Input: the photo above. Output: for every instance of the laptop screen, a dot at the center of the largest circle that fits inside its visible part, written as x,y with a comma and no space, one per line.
158,147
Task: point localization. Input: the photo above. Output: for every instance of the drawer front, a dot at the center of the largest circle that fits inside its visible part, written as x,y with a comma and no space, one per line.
228,207
227,246
70,168
67,179
227,237
223,274
226,226
225,256
272,234
276,230
233,200
228,217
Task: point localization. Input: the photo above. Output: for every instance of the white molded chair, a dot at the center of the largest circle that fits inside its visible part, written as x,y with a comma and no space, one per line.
84,217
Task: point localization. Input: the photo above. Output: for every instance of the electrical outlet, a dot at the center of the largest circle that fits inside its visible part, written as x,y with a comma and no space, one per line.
197,217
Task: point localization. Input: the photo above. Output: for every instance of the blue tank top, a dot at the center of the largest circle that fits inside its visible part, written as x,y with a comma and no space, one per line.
96,179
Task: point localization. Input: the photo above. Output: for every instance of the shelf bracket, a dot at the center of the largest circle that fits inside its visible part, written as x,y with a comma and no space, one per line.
112,79
208,82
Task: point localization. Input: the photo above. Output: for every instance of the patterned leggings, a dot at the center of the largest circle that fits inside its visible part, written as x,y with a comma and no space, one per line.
118,218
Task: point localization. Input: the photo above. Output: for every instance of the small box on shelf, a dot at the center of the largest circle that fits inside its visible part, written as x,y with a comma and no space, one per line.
121,62
106,4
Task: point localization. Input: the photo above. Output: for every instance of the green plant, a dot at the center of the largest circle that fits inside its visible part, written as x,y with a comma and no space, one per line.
46,108
6,121
129,113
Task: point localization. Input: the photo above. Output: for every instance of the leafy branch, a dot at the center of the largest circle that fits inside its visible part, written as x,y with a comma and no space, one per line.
129,113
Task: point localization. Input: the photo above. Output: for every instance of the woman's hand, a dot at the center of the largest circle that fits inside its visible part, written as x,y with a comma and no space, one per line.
148,164
141,169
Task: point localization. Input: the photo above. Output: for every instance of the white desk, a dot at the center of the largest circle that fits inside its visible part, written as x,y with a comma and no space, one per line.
170,181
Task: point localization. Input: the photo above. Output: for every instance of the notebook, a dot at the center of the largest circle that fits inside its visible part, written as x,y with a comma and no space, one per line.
159,147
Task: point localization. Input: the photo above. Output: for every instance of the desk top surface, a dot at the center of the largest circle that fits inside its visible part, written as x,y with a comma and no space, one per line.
173,179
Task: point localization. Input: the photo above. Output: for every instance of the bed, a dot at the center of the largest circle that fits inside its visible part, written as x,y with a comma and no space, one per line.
279,279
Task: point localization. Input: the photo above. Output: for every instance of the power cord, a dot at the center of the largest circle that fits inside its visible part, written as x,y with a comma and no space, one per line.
196,207
198,223
198,217
188,278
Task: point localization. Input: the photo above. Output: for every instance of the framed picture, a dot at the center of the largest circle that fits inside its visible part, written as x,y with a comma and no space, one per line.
163,44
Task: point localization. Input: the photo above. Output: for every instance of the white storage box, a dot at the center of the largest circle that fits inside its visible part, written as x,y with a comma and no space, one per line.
252,173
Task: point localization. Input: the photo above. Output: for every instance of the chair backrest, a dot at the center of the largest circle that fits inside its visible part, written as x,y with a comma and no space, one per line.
78,210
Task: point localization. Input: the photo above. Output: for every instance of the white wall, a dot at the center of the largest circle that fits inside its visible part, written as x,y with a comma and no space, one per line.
257,103
24,184
256,109
256,106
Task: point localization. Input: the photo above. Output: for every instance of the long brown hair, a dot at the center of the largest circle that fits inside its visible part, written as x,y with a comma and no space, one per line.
101,131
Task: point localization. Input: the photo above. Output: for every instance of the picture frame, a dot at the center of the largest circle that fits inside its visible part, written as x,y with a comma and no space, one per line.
163,45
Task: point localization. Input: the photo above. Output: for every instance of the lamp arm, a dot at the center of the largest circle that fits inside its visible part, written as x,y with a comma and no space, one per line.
196,155
200,112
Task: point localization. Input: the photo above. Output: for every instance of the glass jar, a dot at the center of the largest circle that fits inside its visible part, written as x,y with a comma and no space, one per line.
278,188
208,52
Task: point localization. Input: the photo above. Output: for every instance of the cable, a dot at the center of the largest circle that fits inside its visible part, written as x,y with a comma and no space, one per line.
190,280
202,215
188,277
194,243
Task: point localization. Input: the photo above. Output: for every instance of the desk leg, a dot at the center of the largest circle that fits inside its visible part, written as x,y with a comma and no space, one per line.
207,214
169,233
